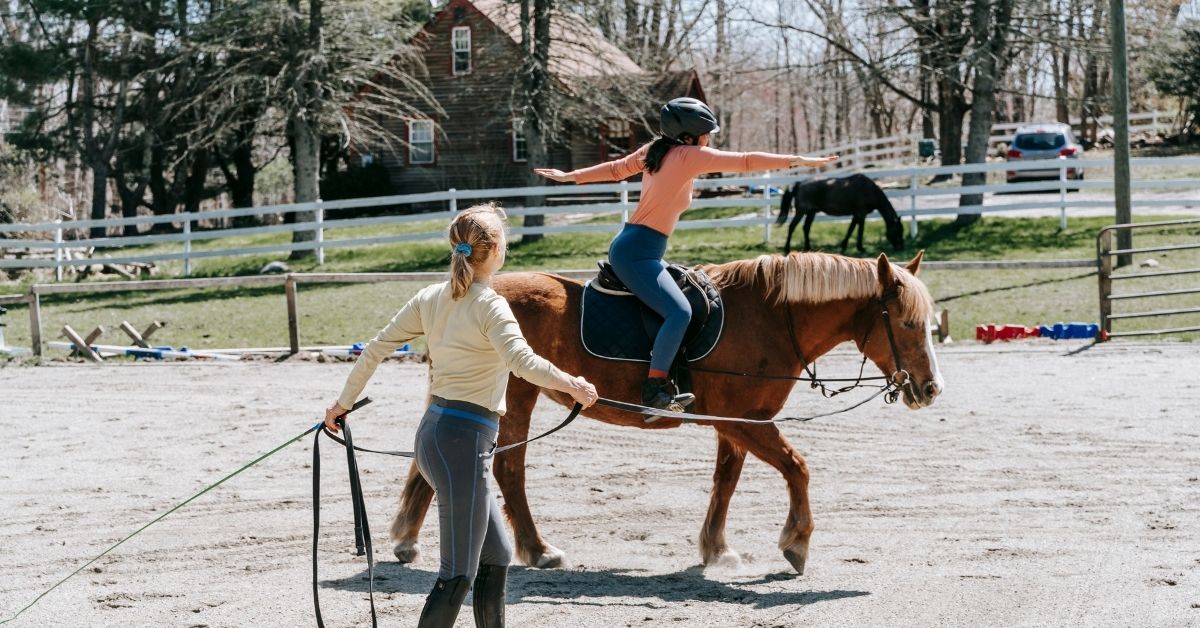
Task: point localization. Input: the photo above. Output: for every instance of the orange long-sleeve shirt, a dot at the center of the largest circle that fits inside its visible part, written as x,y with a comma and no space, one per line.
667,193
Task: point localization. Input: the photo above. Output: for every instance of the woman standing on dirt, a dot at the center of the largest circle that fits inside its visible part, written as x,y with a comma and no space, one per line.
474,342
669,165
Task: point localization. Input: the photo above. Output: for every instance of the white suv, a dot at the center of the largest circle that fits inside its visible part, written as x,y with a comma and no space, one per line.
1052,140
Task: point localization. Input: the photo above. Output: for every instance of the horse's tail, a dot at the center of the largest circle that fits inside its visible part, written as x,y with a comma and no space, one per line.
785,204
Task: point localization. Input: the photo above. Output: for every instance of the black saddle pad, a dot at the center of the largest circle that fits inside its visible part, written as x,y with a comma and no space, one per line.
615,325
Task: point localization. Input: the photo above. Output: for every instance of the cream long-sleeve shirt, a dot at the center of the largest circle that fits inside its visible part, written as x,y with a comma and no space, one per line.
474,343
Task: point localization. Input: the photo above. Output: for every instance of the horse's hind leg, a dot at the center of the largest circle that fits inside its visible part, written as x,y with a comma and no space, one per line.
414,504
713,549
810,213
768,444
509,469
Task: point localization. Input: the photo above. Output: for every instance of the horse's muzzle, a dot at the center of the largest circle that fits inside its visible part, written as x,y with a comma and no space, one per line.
917,396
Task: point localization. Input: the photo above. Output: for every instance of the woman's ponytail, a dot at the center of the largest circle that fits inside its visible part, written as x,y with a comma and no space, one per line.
659,148
474,234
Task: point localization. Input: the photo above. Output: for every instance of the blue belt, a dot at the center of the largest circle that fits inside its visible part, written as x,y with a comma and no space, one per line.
466,416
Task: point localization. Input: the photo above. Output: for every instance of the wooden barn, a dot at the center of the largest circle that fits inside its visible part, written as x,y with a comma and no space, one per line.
471,51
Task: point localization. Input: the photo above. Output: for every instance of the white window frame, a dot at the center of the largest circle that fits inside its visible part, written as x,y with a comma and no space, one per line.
414,141
456,48
518,139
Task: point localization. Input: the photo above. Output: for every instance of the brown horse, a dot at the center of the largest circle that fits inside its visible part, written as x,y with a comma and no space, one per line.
828,300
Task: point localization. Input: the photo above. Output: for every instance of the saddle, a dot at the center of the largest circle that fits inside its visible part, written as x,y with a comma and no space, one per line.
616,325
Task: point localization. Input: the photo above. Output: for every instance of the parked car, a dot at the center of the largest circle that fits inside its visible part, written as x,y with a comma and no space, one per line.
1044,141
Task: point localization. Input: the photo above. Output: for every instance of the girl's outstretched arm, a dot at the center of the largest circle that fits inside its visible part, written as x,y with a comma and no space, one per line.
615,170
708,160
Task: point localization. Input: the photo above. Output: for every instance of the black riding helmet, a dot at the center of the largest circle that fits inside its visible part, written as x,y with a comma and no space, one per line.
687,116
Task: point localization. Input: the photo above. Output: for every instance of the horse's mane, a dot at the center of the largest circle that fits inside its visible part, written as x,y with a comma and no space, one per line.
821,277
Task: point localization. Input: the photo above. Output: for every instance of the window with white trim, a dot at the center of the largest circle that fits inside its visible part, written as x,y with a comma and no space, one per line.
519,146
420,141
460,44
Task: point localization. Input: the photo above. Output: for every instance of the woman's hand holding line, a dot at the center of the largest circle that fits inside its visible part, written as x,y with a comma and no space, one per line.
583,392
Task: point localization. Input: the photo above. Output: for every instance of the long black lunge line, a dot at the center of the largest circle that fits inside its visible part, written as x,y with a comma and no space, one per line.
362,531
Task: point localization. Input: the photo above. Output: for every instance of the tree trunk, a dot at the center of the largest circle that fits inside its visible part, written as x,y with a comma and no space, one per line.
99,196
990,32
537,97
953,107
304,119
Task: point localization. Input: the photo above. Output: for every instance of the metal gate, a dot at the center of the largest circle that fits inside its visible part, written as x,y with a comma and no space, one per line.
1104,258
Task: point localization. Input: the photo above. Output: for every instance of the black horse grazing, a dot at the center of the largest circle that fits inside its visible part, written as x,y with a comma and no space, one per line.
855,195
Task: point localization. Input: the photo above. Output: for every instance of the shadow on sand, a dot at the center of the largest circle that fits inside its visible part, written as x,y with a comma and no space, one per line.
542,586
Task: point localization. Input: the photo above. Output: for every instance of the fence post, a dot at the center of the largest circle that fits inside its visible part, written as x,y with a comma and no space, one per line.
289,287
766,209
1105,269
320,233
912,206
58,254
187,244
624,204
1062,195
35,321
453,199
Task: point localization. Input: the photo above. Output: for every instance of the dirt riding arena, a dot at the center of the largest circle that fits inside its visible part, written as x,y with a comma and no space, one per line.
1049,485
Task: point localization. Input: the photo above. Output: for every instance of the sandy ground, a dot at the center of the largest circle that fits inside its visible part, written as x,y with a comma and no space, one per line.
1049,486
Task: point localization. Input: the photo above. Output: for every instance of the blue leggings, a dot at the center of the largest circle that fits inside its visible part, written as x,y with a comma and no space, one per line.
636,254
449,440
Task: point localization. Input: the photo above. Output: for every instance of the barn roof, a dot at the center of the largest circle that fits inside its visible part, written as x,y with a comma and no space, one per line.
576,49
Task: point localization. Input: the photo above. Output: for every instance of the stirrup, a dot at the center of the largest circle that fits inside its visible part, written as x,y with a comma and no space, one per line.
660,393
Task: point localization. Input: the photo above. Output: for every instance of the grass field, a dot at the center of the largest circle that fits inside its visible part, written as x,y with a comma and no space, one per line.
224,318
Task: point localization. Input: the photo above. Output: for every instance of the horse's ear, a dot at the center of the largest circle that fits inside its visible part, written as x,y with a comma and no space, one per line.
914,264
886,278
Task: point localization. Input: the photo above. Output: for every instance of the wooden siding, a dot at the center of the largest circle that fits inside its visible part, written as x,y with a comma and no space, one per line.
473,143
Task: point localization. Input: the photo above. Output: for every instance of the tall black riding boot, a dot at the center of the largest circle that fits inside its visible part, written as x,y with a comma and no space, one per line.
488,596
441,607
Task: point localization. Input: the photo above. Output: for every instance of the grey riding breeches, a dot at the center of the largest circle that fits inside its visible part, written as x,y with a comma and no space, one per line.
449,441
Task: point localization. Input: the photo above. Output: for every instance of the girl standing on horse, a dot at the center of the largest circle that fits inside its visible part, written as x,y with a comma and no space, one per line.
474,342
668,164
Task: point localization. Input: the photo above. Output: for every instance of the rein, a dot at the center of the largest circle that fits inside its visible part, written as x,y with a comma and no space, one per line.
897,381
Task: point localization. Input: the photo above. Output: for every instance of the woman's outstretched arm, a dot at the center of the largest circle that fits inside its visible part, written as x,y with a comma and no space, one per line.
615,170
712,160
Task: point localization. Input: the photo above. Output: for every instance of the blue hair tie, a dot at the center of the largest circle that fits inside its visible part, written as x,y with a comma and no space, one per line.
463,249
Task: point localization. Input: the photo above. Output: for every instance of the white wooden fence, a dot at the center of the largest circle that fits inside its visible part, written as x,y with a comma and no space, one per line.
903,148
911,198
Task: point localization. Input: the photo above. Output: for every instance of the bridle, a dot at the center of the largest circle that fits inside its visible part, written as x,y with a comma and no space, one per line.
900,379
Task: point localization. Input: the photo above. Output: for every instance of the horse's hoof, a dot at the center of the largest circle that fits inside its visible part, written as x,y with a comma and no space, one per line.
406,552
552,558
727,559
797,558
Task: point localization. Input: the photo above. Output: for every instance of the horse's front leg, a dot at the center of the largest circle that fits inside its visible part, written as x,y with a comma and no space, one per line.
509,469
846,240
713,549
406,526
862,223
768,444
